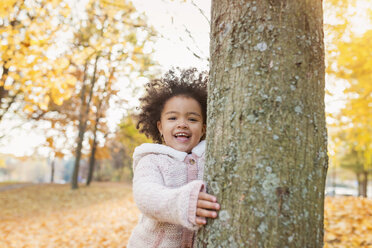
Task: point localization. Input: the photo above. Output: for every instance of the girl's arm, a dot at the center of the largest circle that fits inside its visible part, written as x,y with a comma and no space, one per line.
154,199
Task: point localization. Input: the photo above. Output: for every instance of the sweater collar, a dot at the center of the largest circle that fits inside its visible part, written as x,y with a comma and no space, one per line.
199,149
149,148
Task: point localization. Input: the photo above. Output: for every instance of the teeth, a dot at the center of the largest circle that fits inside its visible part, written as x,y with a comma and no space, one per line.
181,134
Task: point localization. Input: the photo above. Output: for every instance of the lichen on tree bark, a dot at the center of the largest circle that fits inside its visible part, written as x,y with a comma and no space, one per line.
266,139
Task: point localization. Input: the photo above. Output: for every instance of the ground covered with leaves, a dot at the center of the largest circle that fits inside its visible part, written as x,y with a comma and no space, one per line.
104,214
348,222
101,215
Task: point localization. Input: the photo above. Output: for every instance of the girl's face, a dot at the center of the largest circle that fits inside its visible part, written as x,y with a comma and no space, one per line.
181,123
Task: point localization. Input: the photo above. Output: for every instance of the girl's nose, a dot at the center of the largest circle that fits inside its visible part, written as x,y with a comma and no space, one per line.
182,124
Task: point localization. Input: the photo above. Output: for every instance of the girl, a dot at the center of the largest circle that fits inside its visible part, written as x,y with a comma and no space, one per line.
167,182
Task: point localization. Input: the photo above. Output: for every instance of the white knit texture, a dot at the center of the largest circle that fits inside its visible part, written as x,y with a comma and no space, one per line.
163,195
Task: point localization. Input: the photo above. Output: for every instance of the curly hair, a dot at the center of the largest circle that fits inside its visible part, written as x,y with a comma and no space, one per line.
189,83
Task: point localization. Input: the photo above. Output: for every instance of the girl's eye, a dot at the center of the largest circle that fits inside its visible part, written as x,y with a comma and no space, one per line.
171,118
192,119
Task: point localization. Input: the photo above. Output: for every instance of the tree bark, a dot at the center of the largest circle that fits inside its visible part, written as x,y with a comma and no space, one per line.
52,165
359,179
5,96
83,119
362,178
92,158
364,183
266,155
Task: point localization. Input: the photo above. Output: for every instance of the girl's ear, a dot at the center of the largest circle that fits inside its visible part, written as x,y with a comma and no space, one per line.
160,128
204,132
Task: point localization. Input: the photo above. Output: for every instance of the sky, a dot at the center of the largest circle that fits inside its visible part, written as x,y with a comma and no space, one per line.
184,31
172,19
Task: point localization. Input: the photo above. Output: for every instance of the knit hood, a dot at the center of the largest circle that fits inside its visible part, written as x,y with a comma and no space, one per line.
149,148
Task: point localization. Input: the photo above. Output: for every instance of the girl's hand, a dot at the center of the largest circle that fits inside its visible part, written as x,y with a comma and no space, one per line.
206,206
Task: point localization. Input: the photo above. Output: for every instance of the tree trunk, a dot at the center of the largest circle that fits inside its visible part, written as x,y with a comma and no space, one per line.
52,171
362,178
266,141
6,100
359,179
83,119
364,183
75,174
92,158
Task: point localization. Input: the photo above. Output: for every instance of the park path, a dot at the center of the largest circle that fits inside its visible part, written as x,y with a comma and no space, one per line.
15,186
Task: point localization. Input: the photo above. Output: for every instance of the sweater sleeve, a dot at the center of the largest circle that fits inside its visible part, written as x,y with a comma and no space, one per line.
164,204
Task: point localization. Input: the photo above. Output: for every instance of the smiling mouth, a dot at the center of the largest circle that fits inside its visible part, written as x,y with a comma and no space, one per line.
182,137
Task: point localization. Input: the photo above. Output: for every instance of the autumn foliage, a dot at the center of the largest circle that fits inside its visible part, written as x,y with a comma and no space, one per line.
29,31
348,52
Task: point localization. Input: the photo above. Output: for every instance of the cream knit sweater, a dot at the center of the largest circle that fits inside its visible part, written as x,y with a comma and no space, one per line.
166,185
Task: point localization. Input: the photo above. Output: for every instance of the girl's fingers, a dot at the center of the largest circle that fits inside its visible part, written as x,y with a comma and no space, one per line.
208,205
205,205
207,197
200,220
205,213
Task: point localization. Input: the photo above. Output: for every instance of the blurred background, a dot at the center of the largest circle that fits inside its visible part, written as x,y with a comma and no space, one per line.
71,73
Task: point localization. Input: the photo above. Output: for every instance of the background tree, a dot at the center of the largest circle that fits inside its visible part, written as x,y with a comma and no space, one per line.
54,154
31,74
267,142
111,44
129,136
355,117
101,104
353,160
114,159
349,63
115,33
